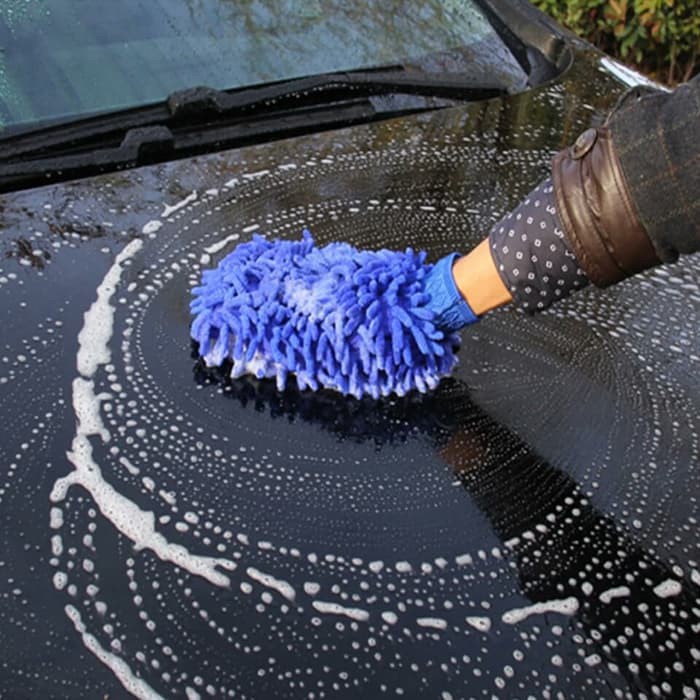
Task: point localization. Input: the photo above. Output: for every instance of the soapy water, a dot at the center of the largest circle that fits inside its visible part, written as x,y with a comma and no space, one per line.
358,600
505,535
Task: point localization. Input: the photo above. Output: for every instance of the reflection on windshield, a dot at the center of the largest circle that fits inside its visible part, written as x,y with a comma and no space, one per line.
62,59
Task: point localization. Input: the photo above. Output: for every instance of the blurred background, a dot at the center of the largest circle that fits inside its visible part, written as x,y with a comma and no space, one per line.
660,38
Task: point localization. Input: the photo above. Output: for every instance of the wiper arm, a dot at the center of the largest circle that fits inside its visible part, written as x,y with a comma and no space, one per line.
333,85
200,119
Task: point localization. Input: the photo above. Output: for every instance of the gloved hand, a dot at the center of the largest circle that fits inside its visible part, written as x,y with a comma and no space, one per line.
356,321
451,310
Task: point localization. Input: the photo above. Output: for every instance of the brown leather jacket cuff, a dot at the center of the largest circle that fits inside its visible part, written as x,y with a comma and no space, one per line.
596,211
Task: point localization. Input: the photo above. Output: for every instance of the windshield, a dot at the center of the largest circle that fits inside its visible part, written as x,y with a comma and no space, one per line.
61,59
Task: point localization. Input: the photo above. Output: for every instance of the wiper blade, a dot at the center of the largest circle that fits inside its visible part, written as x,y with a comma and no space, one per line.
200,119
450,85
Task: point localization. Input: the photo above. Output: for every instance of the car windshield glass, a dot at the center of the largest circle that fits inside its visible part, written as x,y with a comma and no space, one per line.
61,59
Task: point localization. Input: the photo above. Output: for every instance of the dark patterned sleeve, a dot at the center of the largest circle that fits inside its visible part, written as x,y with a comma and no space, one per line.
532,255
656,140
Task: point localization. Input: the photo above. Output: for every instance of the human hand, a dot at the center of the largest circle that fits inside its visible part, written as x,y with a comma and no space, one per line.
356,321
464,288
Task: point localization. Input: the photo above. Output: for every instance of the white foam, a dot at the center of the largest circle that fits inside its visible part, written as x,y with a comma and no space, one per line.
94,336
171,209
86,405
668,588
567,606
219,245
136,524
311,588
282,587
483,624
336,609
168,497
436,623
56,518
134,471
136,686
256,174
617,592
152,226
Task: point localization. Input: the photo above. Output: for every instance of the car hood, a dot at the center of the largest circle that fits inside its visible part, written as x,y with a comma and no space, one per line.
167,530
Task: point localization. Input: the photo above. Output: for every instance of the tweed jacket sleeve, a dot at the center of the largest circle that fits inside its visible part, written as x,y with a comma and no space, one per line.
628,193
657,139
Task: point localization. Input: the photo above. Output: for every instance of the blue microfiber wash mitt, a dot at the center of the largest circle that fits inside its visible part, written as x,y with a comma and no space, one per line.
357,321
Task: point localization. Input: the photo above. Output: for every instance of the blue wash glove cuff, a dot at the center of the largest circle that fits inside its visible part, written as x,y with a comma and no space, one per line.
451,310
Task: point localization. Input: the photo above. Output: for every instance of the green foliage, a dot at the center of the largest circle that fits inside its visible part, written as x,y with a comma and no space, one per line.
661,37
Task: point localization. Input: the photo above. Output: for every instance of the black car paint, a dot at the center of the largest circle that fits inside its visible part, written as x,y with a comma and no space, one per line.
560,462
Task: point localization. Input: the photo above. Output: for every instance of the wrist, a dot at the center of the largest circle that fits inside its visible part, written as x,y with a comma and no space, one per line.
479,281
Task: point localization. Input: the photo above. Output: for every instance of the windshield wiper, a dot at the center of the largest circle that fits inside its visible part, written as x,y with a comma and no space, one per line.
203,119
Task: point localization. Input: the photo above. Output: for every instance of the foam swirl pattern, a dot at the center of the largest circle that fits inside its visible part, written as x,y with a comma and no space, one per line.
526,529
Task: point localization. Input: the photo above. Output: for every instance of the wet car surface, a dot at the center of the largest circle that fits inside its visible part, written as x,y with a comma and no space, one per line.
527,530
